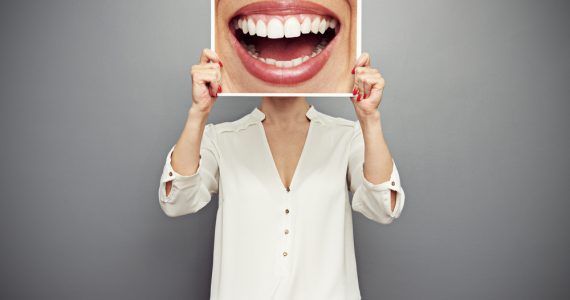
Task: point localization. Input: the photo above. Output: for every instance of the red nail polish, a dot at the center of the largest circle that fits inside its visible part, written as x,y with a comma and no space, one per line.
221,64
353,70
354,91
364,97
219,88
358,98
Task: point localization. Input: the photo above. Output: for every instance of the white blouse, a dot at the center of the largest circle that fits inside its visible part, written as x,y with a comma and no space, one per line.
277,244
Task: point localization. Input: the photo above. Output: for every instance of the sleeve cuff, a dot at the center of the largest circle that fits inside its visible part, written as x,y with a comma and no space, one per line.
178,181
385,188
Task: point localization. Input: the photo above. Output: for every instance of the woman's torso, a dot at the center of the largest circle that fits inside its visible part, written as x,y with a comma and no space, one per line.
276,244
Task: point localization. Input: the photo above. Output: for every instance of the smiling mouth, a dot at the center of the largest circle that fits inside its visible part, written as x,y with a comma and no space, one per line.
284,42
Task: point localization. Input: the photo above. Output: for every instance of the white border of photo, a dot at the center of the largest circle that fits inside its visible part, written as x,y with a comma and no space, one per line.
358,52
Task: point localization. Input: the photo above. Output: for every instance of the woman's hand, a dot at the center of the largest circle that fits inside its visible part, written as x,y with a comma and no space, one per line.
368,90
206,78
368,87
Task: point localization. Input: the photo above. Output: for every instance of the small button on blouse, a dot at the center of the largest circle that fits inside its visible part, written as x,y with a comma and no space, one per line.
274,242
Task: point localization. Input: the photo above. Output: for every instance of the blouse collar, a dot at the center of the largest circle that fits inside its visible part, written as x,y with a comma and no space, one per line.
258,115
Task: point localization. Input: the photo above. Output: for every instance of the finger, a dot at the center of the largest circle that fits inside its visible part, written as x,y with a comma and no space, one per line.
213,92
360,83
206,66
367,86
354,88
204,76
215,88
373,79
208,81
211,68
377,89
362,61
210,56
201,82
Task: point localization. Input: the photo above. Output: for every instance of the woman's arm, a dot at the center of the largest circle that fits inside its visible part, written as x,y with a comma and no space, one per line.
191,168
377,158
373,174
205,87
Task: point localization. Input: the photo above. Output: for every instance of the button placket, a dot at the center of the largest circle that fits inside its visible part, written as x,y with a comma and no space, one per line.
286,230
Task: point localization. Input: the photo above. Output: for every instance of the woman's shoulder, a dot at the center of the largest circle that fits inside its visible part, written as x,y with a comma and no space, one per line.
334,121
233,126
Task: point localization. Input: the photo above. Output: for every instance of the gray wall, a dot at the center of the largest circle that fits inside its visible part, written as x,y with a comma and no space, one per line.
93,94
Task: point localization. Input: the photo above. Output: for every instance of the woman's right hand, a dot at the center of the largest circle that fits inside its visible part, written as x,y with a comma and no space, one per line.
206,78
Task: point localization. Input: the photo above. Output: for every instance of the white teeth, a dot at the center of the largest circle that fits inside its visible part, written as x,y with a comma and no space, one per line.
323,26
243,26
261,29
306,26
275,29
332,23
315,25
285,63
292,28
250,27
297,61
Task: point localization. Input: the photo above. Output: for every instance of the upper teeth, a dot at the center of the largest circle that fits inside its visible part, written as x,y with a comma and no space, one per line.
288,27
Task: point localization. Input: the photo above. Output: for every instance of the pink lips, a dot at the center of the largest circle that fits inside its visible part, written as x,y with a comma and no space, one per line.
272,73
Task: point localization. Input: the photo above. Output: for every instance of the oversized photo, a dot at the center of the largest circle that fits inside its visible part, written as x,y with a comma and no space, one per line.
286,47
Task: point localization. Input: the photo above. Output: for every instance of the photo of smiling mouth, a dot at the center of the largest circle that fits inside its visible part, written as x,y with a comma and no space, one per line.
284,42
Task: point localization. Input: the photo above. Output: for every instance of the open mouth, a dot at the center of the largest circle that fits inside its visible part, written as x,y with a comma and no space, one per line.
284,42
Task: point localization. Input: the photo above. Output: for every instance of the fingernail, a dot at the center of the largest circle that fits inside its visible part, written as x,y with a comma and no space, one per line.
219,88
354,91
358,98
353,70
221,64
364,97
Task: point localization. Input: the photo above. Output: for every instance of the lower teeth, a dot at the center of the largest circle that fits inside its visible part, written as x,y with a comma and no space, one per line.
288,63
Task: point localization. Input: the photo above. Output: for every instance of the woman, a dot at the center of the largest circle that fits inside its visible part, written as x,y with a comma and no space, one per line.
283,172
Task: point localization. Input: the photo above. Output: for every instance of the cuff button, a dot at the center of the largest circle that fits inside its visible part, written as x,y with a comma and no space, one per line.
169,173
393,183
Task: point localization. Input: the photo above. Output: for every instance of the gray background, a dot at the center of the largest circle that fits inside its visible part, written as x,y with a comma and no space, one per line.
94,93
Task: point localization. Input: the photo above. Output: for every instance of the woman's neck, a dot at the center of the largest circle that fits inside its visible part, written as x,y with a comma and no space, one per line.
284,110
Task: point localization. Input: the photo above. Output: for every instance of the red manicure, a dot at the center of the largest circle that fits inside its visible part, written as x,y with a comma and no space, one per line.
221,64
219,88
354,91
353,70
358,98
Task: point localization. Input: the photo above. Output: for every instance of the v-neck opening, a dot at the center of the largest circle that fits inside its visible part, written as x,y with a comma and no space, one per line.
299,162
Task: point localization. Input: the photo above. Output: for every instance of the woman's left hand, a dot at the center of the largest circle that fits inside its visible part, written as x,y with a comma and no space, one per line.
368,87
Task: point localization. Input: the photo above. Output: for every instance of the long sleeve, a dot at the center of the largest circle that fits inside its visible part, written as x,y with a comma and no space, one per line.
372,200
189,194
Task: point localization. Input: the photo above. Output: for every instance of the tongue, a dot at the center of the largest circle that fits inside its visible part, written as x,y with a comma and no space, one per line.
286,48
